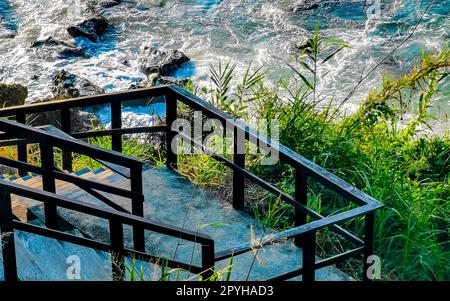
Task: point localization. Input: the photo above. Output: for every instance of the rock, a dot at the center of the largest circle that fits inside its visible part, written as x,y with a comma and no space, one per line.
304,6
91,28
81,121
63,49
84,121
307,6
155,79
97,6
169,80
109,3
66,83
151,81
165,63
7,34
142,83
303,46
12,95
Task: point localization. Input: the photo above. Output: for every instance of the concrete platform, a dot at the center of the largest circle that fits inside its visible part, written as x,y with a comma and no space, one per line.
173,199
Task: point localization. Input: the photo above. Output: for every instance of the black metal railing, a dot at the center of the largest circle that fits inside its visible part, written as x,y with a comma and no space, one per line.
47,144
303,233
116,246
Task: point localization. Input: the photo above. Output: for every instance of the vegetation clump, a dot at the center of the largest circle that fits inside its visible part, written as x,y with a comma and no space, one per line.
401,162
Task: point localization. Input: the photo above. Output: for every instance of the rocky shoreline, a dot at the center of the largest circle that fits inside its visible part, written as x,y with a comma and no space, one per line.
157,65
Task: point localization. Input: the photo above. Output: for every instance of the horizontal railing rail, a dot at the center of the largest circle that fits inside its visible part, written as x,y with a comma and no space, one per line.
304,169
85,101
48,141
35,134
8,224
286,154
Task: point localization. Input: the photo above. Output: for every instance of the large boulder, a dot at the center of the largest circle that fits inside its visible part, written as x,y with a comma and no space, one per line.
91,28
66,83
62,49
81,121
164,63
12,95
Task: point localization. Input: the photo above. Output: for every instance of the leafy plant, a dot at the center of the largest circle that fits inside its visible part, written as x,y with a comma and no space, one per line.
376,149
315,52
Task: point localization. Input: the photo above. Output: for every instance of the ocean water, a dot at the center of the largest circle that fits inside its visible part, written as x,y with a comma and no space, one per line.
259,31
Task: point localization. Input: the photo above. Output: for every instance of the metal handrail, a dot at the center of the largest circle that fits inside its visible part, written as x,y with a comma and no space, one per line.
35,134
304,169
85,101
286,154
303,234
49,173
116,222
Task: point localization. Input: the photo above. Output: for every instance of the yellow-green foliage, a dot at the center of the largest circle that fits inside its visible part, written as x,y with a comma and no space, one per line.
409,173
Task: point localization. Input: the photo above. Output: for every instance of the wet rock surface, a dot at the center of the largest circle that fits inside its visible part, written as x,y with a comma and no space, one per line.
163,63
303,6
97,6
80,120
12,95
91,28
109,3
170,80
61,48
155,79
66,83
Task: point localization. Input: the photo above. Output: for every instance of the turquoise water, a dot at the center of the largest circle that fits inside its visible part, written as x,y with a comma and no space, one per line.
259,31
8,18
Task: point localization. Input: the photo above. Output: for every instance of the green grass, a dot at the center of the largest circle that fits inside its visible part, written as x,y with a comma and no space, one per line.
131,146
375,149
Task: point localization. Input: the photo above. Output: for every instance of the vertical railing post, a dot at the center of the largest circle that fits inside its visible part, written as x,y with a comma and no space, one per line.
48,183
7,237
22,149
66,127
368,243
117,250
239,161
301,196
208,260
171,116
137,207
309,256
116,123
